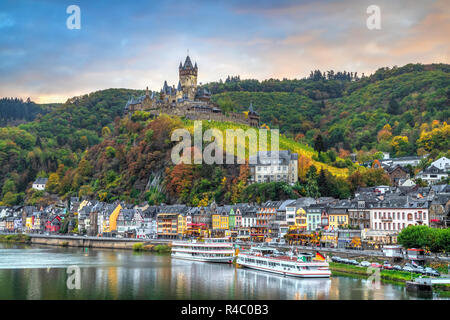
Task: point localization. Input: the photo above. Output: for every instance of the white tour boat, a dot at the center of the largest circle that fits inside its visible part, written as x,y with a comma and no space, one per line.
209,250
303,265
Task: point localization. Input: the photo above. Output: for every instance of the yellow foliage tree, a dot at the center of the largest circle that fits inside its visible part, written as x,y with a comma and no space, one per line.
303,165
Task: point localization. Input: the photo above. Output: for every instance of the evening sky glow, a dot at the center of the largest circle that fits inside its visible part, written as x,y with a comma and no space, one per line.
136,44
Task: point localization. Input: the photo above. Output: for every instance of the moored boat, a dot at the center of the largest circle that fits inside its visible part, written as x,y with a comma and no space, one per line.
209,250
303,265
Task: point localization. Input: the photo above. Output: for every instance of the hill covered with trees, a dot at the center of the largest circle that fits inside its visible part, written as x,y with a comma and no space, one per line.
403,110
14,111
87,148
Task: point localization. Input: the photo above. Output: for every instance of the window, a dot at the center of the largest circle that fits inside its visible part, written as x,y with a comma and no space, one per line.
410,216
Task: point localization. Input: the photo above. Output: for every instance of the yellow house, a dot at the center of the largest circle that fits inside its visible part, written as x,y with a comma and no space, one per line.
300,219
111,223
220,222
181,225
224,221
29,223
215,221
336,220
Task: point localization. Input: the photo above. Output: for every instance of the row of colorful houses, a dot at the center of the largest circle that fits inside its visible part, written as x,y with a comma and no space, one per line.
379,215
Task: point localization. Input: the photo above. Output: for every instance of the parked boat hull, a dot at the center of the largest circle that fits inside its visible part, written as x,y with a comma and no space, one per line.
203,259
287,273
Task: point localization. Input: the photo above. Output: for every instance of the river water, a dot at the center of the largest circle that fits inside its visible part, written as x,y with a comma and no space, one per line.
41,272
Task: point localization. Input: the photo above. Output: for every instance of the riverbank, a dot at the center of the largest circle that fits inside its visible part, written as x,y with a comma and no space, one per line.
160,248
99,242
15,238
387,275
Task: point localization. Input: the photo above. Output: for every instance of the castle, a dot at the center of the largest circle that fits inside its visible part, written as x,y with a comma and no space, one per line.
188,100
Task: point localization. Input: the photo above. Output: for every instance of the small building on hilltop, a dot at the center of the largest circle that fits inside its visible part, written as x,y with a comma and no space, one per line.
40,183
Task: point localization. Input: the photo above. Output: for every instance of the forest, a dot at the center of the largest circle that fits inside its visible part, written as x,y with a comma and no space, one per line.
400,110
86,147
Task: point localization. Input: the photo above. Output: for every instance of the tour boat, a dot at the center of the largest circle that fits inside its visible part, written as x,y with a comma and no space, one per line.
209,250
303,265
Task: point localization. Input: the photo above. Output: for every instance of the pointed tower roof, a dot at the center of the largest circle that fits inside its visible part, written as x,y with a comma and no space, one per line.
250,109
181,66
179,86
188,63
195,67
165,87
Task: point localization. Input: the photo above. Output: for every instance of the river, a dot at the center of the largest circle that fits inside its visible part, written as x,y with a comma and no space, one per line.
40,272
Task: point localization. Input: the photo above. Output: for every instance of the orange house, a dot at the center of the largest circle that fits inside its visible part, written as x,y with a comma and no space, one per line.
113,218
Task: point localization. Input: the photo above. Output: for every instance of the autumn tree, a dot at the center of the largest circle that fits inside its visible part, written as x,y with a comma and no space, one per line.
53,183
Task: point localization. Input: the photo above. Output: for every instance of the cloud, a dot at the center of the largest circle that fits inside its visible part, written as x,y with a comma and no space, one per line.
138,44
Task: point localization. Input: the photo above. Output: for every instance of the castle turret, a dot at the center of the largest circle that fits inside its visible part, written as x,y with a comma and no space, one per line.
252,116
188,78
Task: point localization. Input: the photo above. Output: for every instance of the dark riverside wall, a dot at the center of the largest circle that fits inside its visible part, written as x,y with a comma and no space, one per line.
90,243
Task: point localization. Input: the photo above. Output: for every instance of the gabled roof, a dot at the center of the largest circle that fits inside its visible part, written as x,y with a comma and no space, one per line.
40,181
284,156
433,169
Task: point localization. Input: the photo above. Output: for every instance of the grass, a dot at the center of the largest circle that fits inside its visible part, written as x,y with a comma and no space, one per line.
160,248
138,247
390,275
284,144
16,238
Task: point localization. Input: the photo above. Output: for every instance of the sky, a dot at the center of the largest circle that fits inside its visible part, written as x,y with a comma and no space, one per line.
135,44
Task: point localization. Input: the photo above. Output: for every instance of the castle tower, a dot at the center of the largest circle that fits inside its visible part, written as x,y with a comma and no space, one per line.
188,78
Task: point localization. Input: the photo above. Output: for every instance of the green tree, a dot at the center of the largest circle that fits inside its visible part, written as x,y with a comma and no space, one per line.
312,188
393,107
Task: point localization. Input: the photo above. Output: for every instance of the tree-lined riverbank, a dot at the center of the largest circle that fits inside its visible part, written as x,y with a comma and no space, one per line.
15,238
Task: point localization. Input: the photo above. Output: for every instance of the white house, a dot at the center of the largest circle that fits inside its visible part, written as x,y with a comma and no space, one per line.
407,183
268,166
39,183
249,220
382,189
442,163
395,215
432,174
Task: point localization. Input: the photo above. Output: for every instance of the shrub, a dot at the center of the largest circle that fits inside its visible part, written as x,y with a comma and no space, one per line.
138,246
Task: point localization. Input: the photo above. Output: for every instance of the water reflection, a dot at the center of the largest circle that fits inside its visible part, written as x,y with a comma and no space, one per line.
40,273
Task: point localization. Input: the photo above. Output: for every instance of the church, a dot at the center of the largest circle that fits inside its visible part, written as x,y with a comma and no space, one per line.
187,100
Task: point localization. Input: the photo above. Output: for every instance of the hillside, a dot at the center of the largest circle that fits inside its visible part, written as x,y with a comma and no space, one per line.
85,147
14,111
411,100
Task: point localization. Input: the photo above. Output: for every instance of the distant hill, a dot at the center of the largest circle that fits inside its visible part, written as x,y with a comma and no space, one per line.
87,147
14,111
351,114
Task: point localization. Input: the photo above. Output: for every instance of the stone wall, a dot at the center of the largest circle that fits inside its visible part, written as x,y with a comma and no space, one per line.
90,243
